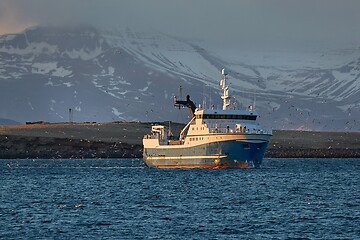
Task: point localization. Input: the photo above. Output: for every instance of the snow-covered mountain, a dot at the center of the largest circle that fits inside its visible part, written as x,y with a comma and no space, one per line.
126,75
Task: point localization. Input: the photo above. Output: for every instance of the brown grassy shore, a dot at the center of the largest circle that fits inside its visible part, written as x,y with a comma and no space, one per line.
124,140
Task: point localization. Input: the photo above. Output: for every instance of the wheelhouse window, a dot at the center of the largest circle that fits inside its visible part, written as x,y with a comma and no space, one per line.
228,116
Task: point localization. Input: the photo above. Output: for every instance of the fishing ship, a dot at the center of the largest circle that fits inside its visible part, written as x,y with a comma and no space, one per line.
213,138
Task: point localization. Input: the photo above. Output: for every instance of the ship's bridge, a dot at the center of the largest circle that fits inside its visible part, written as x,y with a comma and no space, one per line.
226,114
225,121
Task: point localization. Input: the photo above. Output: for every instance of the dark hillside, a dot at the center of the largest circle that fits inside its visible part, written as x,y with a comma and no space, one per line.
123,139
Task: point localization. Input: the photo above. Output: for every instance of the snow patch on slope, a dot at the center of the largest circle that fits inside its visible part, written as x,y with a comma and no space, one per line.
50,68
165,54
36,48
84,54
117,113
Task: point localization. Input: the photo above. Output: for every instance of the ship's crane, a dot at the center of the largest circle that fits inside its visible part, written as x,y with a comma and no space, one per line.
187,103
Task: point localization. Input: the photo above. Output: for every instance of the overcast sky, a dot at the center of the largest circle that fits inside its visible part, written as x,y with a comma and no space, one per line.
236,22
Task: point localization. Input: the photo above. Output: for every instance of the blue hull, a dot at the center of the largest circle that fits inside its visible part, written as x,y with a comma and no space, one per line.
225,154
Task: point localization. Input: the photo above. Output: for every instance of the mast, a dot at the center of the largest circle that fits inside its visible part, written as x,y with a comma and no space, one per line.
225,97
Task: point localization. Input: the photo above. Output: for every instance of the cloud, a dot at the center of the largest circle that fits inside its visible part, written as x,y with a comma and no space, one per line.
229,22
12,18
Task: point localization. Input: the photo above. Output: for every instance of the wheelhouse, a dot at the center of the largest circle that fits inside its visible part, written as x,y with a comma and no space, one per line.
226,116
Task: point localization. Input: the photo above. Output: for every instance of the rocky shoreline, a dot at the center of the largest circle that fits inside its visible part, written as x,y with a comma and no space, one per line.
17,147
124,140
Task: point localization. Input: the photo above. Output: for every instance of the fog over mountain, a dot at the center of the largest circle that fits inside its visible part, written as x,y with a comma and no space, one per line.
128,75
264,24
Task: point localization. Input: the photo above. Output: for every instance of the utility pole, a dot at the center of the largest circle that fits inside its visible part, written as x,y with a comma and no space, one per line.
70,115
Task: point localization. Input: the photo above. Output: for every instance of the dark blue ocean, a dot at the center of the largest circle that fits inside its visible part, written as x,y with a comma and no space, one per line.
122,199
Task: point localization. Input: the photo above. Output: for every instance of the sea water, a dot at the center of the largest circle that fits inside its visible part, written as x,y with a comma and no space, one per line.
123,199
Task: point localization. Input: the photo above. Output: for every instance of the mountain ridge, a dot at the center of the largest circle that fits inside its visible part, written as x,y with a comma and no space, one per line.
131,76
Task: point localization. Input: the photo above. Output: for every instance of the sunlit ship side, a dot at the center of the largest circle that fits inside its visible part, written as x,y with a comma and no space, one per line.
225,138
